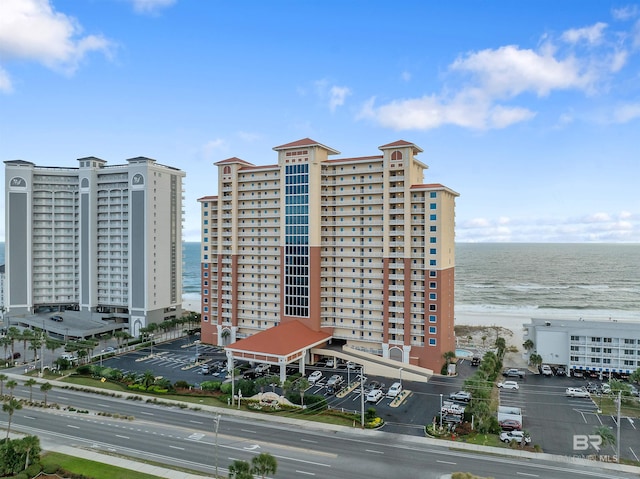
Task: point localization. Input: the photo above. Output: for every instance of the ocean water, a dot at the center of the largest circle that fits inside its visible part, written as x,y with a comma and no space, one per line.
593,281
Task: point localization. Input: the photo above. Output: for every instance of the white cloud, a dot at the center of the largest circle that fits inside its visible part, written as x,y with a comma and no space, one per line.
592,35
337,96
151,6
5,81
625,13
626,113
249,137
597,227
32,30
212,147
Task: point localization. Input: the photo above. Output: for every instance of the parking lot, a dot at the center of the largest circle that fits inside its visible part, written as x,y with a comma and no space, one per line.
551,418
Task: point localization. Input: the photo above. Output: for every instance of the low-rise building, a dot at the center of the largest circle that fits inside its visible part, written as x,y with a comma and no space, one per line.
601,346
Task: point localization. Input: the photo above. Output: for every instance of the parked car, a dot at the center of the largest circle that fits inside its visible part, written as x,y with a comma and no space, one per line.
508,385
577,392
545,370
561,371
56,318
576,373
371,385
593,388
510,425
452,418
352,365
16,355
250,374
394,390
205,369
606,388
517,436
513,373
330,363
335,380
315,376
374,395
463,396
475,361
262,368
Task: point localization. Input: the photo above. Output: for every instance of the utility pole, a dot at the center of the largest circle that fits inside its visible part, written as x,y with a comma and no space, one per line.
618,432
216,421
362,396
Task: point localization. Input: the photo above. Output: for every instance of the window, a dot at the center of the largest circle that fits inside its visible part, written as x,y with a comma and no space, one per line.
432,318
607,340
432,330
432,194
432,217
575,338
433,296
432,206
432,341
595,339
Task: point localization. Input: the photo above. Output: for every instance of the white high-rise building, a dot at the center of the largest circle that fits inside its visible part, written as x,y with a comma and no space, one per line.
105,241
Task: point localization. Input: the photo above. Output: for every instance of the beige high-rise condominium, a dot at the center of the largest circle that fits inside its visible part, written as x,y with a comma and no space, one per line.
360,248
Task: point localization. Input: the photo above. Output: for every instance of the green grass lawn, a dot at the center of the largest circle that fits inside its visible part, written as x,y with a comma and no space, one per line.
95,470
198,400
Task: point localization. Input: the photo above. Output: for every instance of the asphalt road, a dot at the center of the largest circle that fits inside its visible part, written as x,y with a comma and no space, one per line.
185,438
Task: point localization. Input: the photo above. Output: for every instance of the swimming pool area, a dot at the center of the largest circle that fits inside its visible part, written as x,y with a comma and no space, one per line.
463,353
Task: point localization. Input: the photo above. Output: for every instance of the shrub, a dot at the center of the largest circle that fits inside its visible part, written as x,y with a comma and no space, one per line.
33,470
84,370
211,385
50,468
225,388
181,385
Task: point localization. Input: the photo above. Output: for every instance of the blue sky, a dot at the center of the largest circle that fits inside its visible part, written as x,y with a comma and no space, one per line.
529,109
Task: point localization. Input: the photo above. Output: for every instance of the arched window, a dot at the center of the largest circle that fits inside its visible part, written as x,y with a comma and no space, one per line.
226,170
396,155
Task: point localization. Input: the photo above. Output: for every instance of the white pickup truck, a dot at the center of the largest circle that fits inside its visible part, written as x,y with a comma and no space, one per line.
449,407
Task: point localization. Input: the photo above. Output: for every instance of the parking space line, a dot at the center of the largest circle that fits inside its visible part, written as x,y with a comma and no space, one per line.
634,454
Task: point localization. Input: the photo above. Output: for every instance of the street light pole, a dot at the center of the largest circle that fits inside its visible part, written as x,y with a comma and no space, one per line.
362,396
440,411
216,421
401,377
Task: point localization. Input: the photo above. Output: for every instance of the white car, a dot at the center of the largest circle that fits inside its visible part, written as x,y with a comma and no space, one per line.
546,370
508,385
517,436
577,393
394,390
315,376
375,395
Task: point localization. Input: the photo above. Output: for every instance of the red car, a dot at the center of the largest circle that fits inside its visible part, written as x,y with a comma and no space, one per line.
510,425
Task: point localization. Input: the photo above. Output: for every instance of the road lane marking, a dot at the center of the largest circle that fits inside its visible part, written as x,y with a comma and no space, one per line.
375,452
527,474
176,447
196,422
248,430
308,440
307,473
72,426
123,437
448,462
147,413
29,417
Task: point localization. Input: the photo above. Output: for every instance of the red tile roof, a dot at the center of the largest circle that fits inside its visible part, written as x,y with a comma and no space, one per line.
281,340
401,143
233,160
305,142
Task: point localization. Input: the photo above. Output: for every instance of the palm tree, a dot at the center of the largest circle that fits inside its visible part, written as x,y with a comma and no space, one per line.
3,378
302,384
148,379
13,334
264,464
448,356
5,342
535,359
606,435
484,338
11,406
34,345
30,382
528,345
11,385
29,444
26,336
240,470
45,388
